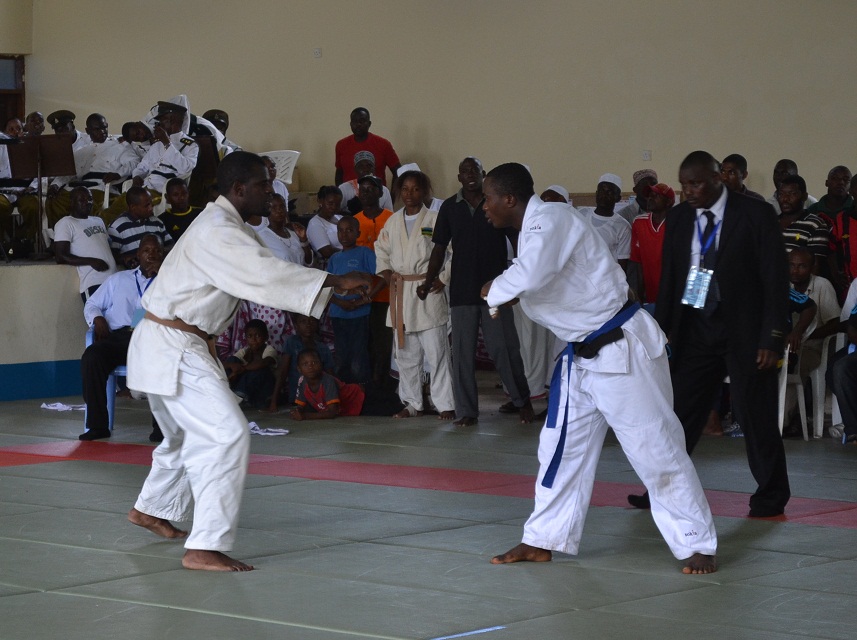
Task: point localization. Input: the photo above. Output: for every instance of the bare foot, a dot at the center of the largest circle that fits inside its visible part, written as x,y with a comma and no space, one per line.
527,414
699,563
465,422
446,415
202,560
408,412
713,427
158,526
523,553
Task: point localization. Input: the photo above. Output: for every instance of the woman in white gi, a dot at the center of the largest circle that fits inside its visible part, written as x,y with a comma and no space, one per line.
614,373
201,464
402,250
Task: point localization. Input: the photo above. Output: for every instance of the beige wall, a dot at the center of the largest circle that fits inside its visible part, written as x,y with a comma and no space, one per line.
573,89
16,26
45,324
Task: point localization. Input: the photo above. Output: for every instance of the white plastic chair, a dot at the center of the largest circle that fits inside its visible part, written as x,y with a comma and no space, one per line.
836,414
793,379
106,202
819,388
121,370
285,161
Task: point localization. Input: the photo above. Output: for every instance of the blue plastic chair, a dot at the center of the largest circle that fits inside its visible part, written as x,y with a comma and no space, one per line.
111,388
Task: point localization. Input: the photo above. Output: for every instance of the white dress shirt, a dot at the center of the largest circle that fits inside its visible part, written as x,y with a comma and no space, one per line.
718,208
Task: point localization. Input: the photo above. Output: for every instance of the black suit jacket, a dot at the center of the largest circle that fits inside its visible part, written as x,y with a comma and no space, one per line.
751,272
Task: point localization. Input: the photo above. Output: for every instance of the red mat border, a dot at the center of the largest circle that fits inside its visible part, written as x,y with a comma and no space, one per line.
810,511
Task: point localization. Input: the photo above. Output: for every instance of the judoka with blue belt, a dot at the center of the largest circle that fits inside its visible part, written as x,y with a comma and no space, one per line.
613,373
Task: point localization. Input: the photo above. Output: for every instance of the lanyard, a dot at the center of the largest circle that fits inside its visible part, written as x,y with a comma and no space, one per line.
137,282
703,248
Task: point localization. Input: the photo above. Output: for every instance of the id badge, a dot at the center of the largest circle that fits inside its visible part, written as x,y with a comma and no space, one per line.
696,288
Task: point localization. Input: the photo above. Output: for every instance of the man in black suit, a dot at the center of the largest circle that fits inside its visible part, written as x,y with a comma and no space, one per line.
737,328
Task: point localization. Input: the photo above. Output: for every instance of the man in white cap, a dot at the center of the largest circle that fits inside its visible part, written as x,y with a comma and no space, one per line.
556,193
644,179
614,229
364,165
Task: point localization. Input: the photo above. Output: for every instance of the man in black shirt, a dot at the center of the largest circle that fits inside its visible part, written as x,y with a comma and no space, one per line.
479,255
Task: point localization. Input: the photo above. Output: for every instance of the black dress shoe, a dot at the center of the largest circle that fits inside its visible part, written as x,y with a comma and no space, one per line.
766,512
640,502
94,434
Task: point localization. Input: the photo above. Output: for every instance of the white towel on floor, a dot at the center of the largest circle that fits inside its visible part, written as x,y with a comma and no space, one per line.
59,406
256,430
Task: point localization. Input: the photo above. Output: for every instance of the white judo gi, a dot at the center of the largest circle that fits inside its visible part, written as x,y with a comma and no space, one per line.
424,320
203,459
567,281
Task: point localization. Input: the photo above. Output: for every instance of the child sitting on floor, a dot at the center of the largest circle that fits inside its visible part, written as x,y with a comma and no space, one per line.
306,337
251,369
320,396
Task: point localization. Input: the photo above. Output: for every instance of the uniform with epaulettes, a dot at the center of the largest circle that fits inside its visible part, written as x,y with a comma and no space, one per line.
161,163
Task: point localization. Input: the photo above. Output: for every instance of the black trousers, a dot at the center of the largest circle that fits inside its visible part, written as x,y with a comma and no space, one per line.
842,378
97,363
702,359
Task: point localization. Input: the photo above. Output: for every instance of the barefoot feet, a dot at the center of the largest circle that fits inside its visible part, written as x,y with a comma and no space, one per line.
699,563
527,414
523,553
466,421
158,526
446,415
408,412
202,560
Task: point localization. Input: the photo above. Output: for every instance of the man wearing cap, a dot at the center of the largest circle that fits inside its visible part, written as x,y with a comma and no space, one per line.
647,242
62,121
480,254
56,205
643,179
555,193
220,119
614,229
172,155
361,140
364,165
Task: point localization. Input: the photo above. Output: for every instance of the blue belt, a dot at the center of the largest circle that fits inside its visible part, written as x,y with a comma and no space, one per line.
563,365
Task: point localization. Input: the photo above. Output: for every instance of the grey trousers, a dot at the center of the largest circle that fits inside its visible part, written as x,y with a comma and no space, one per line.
503,346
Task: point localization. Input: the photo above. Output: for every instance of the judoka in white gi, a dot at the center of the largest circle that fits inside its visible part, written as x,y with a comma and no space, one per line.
567,281
201,464
402,250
